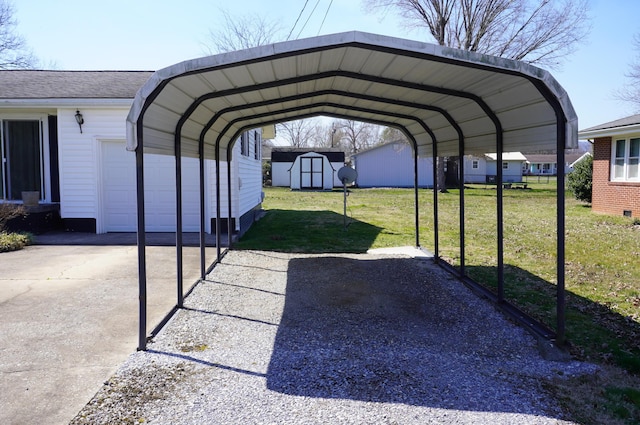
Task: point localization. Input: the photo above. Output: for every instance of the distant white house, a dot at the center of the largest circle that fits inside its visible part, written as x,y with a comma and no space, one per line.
85,172
547,164
483,169
391,165
319,173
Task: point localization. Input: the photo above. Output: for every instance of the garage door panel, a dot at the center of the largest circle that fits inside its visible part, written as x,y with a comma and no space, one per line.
119,191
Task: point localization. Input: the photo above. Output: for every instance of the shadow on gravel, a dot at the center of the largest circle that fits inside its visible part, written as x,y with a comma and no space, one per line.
396,331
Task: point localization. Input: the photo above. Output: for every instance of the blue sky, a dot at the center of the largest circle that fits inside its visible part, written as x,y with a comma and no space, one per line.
152,34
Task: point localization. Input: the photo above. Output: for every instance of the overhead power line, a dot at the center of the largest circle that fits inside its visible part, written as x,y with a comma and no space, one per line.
325,17
298,18
308,17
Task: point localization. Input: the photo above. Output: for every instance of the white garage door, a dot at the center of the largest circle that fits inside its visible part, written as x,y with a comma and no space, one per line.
119,191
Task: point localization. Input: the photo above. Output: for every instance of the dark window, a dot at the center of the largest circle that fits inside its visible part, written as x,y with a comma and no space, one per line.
244,144
21,158
256,145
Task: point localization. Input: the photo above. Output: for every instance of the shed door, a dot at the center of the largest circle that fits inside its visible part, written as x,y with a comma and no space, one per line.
311,172
119,191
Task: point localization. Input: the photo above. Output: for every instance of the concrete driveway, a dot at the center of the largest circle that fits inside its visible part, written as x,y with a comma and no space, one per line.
69,318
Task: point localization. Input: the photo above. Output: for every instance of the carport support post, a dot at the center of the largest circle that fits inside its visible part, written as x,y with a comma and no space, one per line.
218,253
142,243
560,254
436,254
500,217
202,210
415,189
178,154
461,185
229,230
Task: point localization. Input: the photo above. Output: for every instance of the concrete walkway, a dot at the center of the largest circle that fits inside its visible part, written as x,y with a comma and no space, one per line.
69,318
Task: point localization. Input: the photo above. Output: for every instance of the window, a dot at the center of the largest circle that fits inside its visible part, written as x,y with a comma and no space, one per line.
625,160
21,158
256,145
505,165
244,144
475,164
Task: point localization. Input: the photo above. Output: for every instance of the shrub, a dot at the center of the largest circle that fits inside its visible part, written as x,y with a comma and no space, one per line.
9,211
579,181
13,241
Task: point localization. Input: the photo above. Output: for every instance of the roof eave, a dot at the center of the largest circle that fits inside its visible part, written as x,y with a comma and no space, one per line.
66,102
607,132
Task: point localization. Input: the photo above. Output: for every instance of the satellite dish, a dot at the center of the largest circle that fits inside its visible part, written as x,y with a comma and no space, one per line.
347,175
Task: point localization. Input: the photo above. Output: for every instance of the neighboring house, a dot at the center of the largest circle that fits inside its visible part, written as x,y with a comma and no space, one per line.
547,164
483,169
283,174
85,172
616,169
391,165
541,165
579,159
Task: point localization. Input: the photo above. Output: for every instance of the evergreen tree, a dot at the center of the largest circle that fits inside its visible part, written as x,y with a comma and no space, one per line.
579,181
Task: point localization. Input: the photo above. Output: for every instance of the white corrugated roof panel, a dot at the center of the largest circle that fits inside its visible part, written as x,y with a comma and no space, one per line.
363,76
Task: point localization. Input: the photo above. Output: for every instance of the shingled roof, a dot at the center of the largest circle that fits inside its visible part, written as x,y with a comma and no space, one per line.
622,122
30,84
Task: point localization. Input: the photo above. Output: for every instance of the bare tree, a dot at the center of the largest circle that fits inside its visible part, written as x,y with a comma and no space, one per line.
390,134
357,135
14,53
541,32
631,91
243,32
298,133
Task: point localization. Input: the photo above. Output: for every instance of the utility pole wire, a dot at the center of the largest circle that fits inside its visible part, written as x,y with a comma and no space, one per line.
309,17
325,17
298,18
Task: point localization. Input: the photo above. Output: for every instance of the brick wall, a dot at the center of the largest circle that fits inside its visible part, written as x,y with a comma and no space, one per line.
611,197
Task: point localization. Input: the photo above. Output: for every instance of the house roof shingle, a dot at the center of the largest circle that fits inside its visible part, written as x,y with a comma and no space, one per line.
569,157
622,122
31,84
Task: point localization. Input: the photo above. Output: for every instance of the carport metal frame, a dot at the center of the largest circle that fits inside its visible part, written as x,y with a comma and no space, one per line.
235,126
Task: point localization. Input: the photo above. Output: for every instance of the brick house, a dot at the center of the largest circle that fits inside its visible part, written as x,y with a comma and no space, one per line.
616,169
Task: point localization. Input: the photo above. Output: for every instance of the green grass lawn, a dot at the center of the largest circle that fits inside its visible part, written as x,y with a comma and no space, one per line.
602,258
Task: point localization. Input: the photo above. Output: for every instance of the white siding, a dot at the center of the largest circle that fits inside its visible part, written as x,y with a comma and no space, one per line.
246,181
391,165
280,175
78,157
472,175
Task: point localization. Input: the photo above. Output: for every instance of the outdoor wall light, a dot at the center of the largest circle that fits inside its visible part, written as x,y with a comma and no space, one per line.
79,120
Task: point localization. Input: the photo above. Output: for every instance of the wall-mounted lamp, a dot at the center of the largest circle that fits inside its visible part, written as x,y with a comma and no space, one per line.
79,120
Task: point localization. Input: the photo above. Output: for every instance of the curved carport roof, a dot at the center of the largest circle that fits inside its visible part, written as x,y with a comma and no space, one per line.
448,102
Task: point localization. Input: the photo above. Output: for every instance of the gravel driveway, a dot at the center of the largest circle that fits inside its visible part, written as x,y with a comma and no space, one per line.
352,339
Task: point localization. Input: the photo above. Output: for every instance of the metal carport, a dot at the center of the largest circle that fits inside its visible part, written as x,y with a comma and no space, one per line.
448,102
